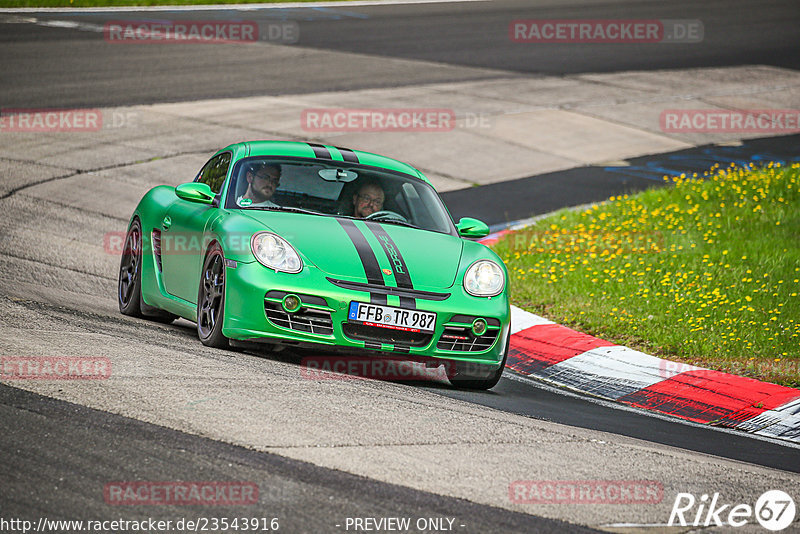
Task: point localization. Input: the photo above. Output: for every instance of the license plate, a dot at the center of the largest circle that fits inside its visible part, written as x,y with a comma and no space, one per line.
390,317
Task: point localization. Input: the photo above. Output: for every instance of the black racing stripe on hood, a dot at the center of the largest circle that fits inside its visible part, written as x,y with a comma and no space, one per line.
371,268
395,257
320,151
348,155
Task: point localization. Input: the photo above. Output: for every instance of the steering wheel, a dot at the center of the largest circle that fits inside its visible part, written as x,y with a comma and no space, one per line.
386,214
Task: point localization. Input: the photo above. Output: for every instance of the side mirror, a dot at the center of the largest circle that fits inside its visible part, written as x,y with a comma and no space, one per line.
195,192
469,227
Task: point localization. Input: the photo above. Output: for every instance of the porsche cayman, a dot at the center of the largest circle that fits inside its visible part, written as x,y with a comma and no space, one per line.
314,246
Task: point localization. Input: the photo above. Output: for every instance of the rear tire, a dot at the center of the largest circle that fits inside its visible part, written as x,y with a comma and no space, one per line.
463,379
129,288
211,300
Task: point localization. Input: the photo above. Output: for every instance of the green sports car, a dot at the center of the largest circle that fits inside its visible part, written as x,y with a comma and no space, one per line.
315,246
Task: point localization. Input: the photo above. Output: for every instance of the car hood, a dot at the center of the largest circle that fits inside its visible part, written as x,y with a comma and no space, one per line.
342,248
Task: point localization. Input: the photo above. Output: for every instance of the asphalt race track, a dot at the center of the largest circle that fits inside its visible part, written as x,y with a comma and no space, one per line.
113,447
321,452
472,36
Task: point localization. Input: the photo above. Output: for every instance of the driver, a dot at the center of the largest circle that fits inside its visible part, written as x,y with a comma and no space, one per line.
368,200
262,181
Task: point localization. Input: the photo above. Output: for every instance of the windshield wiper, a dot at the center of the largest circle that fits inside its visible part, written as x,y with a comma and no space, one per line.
285,208
389,220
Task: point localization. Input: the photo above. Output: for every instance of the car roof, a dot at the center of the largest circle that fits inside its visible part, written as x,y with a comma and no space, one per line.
300,149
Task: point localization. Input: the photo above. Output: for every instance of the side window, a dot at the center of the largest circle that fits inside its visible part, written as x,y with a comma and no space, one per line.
215,171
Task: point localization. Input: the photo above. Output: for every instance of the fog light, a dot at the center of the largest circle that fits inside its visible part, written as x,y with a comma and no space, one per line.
479,327
291,303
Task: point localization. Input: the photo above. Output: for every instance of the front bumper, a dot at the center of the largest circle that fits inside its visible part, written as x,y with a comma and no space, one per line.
252,290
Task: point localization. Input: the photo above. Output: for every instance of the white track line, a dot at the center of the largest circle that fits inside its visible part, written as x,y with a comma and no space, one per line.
522,320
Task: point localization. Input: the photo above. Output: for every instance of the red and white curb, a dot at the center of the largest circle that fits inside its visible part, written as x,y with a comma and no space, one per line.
563,357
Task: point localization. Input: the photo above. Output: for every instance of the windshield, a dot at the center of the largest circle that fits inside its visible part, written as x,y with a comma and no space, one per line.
336,189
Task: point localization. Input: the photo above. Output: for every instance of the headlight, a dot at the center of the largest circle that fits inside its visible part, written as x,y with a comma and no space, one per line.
275,252
484,278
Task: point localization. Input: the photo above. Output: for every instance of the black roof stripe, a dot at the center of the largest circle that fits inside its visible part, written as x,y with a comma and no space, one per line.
348,155
321,151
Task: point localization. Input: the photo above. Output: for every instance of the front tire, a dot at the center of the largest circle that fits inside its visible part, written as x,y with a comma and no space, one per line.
211,300
464,379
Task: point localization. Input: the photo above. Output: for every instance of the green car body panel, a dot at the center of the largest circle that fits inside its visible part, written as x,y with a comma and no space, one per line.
332,272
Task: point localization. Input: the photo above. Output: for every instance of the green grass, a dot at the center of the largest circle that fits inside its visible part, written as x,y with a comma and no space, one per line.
119,3
706,272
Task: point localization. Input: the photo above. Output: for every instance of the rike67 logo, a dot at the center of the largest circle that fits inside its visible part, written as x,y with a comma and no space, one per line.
774,510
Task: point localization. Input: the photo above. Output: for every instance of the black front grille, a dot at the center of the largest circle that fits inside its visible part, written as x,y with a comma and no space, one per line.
386,335
463,340
303,320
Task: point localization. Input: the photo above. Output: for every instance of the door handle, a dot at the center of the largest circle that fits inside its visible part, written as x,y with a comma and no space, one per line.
167,222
